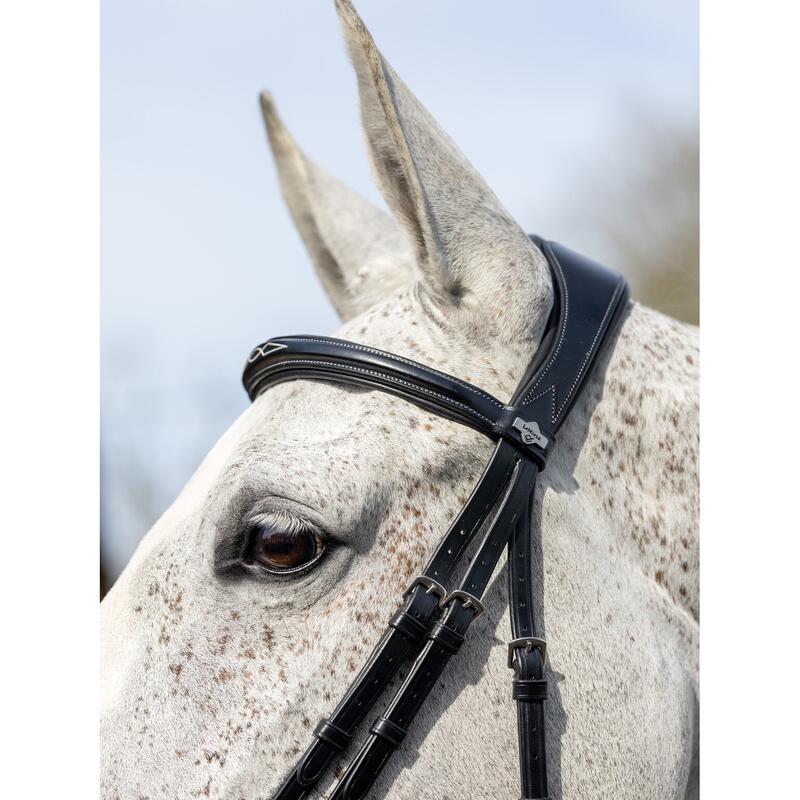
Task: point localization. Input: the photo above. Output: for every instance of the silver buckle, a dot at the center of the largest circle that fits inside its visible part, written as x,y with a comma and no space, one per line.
529,643
431,587
470,601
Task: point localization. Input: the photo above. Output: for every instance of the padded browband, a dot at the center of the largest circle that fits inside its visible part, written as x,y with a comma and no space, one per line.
588,299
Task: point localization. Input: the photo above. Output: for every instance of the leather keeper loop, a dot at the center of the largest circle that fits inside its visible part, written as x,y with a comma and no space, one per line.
332,735
449,639
410,627
388,731
529,690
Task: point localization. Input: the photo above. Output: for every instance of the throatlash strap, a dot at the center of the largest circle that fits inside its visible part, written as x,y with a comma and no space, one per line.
589,300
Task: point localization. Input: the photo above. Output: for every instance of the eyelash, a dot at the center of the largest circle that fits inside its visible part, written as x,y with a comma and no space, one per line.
284,520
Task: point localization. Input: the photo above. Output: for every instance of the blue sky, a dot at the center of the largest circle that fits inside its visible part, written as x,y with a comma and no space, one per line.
199,257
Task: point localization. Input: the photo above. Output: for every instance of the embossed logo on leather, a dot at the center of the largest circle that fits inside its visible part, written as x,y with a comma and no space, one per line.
530,433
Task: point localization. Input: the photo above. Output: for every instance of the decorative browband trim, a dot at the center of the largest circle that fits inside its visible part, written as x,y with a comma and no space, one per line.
323,358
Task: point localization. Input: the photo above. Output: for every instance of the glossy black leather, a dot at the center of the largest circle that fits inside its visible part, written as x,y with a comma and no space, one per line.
529,688
589,301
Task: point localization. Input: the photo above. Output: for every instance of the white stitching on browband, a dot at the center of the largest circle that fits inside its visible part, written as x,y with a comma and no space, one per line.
526,400
393,379
586,359
550,388
342,343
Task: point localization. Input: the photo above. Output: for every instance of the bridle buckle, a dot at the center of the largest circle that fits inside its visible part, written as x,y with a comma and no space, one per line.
529,643
431,587
469,601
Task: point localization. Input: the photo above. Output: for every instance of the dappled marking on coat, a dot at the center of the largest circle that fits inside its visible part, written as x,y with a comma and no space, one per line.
213,680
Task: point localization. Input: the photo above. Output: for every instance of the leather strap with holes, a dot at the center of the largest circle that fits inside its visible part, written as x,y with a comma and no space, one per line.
460,609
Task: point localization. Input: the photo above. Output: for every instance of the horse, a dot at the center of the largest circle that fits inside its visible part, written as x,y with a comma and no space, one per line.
215,667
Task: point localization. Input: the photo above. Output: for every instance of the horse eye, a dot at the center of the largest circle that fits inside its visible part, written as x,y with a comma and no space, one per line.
278,550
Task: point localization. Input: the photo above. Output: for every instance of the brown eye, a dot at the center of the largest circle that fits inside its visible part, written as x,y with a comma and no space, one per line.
279,550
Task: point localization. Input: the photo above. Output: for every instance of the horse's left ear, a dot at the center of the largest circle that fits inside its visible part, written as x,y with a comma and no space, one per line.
358,251
477,263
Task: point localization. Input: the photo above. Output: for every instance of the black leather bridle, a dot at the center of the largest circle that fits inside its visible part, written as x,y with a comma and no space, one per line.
431,623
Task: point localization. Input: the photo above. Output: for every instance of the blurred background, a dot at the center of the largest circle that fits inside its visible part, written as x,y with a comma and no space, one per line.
582,116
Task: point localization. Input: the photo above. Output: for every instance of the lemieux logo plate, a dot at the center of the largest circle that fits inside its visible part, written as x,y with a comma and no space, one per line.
530,433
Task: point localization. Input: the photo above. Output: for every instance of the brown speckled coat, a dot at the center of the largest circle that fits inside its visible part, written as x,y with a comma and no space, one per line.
213,678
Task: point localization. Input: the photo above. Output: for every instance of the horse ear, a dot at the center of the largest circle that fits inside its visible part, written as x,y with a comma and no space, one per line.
358,251
477,262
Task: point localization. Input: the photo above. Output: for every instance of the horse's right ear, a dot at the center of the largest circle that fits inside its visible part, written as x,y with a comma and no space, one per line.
359,252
